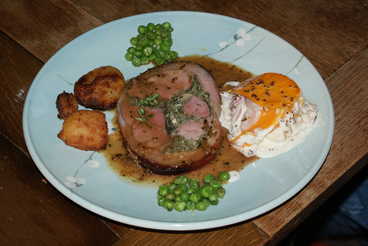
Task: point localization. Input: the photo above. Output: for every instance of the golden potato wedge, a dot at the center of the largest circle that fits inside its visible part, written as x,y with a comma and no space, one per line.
100,88
85,130
66,104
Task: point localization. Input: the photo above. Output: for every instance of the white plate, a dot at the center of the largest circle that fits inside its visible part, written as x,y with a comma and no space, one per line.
263,185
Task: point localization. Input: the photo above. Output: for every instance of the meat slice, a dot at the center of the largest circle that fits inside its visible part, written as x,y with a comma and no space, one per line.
196,107
191,130
169,117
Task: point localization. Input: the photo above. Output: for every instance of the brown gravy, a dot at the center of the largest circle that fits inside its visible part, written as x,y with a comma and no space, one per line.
227,159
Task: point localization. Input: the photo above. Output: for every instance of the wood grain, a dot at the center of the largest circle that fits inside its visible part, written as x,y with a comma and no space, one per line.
349,90
18,68
329,33
244,234
33,213
43,27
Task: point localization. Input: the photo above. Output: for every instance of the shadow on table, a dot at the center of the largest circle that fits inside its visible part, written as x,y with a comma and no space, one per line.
341,221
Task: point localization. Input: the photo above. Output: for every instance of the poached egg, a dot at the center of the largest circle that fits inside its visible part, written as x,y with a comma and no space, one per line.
266,115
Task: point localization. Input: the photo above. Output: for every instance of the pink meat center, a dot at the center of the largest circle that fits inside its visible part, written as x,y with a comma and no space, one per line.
196,107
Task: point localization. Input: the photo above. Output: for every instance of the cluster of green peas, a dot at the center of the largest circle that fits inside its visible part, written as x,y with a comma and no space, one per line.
152,45
189,194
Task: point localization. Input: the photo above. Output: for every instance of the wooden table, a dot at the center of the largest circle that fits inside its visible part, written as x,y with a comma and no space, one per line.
332,34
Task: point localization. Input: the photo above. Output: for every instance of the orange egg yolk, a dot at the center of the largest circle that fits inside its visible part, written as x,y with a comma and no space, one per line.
274,93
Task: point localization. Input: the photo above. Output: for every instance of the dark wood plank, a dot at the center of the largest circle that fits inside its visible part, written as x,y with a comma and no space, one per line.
33,213
349,90
18,69
244,234
329,33
42,26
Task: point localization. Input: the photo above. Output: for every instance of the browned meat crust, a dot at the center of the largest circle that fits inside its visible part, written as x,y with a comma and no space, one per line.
66,104
100,88
85,130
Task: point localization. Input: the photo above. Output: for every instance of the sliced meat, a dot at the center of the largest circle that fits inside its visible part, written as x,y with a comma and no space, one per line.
169,117
196,107
165,83
191,130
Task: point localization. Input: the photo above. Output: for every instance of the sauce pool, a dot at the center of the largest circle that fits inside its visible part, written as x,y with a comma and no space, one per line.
227,159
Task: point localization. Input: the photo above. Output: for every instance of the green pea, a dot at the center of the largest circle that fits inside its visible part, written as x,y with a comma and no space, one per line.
190,190
178,191
147,51
139,48
131,50
172,187
206,190
208,178
169,205
140,36
163,190
184,196
183,187
170,196
190,205
220,192
136,61
206,202
134,41
180,206
164,47
161,53
151,36
178,199
138,53
166,25
180,180
215,184
157,26
159,61
213,197
194,184
161,201
195,197
167,56
224,176
129,56
157,41
167,42
164,34
151,57
142,29
201,206
214,201
151,26
145,61
143,42
173,54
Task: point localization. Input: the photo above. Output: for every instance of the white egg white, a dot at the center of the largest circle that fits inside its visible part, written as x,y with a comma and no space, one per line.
286,133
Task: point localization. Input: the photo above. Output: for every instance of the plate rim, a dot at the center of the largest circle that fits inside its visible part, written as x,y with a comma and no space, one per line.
160,225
